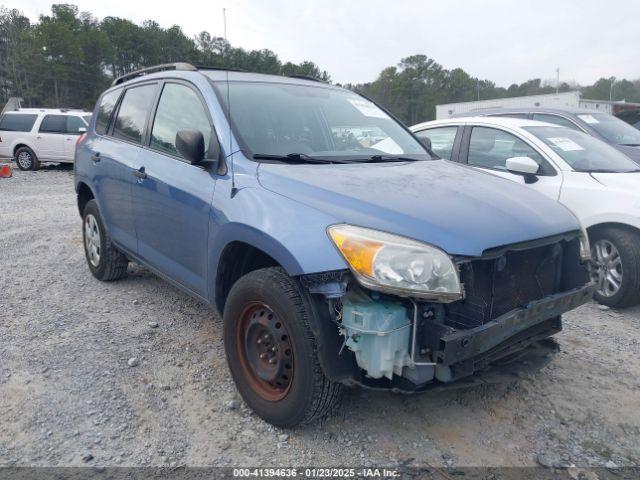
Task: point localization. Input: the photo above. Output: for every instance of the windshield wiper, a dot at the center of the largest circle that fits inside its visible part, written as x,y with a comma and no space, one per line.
607,170
387,158
630,144
293,157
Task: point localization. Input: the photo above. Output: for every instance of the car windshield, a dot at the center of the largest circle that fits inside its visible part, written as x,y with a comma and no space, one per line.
583,152
612,128
308,123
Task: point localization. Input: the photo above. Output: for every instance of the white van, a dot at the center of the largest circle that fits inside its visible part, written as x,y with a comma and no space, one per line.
32,136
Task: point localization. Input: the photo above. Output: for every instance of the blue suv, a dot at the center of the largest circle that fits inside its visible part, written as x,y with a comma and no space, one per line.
337,248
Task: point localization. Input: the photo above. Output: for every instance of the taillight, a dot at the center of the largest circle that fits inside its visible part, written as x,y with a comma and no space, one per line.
81,139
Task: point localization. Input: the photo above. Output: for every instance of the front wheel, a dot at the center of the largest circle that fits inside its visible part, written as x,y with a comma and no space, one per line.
616,255
272,352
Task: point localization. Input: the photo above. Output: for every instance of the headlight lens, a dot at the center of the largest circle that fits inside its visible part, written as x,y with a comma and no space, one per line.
383,261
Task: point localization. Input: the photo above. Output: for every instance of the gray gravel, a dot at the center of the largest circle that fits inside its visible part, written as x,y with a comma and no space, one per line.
69,394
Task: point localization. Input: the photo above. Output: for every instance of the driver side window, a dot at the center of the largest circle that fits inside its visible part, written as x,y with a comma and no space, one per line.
490,148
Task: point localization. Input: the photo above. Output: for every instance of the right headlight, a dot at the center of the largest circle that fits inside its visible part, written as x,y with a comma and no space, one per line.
395,264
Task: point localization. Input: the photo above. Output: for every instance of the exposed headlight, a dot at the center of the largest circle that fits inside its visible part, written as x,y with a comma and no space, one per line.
394,264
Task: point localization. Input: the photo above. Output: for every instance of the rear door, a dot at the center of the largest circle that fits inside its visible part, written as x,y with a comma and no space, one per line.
50,138
488,148
114,157
172,198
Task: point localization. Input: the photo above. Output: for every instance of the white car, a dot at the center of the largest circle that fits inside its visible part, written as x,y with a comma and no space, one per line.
600,185
32,136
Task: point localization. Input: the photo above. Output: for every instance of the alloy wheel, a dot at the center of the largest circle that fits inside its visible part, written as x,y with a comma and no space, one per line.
25,160
608,267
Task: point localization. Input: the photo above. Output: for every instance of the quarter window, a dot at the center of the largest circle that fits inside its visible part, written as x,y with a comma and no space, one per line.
490,148
74,124
130,121
105,110
442,140
556,120
54,124
17,122
179,109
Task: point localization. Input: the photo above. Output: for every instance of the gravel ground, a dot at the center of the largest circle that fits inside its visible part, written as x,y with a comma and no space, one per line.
69,395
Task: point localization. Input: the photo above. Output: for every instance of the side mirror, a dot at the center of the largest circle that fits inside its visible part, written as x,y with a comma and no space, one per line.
523,166
426,141
190,144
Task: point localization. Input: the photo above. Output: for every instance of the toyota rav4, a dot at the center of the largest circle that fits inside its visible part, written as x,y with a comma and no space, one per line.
337,248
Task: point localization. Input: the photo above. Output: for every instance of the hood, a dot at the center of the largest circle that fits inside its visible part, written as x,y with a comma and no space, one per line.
632,152
454,207
628,182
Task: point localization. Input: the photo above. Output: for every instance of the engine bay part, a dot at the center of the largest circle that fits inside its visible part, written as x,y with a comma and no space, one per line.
378,332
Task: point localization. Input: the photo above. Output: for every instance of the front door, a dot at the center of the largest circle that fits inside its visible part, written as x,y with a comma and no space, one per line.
488,148
172,198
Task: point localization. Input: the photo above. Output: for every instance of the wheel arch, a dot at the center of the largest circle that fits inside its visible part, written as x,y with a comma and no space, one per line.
623,226
242,255
84,194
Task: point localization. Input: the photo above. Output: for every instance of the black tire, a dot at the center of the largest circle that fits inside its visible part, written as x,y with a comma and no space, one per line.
309,395
110,264
26,159
627,243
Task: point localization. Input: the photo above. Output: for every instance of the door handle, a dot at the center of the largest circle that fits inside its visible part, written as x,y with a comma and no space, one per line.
95,157
39,137
140,173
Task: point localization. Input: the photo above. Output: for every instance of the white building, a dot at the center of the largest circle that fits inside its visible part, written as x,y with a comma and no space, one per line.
551,100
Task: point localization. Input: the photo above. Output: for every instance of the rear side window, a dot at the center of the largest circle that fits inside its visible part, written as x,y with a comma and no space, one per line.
442,140
105,110
17,122
556,120
179,109
131,117
54,124
74,124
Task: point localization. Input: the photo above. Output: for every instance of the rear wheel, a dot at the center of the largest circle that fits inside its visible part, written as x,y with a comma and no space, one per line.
272,352
26,159
104,260
616,254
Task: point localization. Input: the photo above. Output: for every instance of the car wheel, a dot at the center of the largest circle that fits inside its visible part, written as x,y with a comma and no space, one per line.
616,255
272,352
105,262
26,159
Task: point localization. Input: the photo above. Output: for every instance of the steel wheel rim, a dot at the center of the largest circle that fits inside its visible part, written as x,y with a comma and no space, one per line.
92,239
25,160
266,352
608,267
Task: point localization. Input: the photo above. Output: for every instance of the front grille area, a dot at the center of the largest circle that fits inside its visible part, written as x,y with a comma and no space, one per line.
499,284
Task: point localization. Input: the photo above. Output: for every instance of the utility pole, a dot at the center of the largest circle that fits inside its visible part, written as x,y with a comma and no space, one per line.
478,89
613,82
557,80
224,20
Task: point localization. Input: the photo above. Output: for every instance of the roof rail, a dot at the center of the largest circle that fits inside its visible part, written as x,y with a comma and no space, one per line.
223,69
155,68
306,77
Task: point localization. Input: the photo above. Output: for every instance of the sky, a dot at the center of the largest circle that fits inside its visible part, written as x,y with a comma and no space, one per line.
499,40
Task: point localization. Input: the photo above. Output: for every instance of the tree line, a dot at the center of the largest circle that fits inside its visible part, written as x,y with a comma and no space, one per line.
67,58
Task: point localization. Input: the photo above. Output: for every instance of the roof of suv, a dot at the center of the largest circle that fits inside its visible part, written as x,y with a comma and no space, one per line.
58,111
216,74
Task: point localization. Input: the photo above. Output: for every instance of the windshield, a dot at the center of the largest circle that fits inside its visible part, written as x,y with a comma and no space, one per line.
612,128
583,152
281,119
